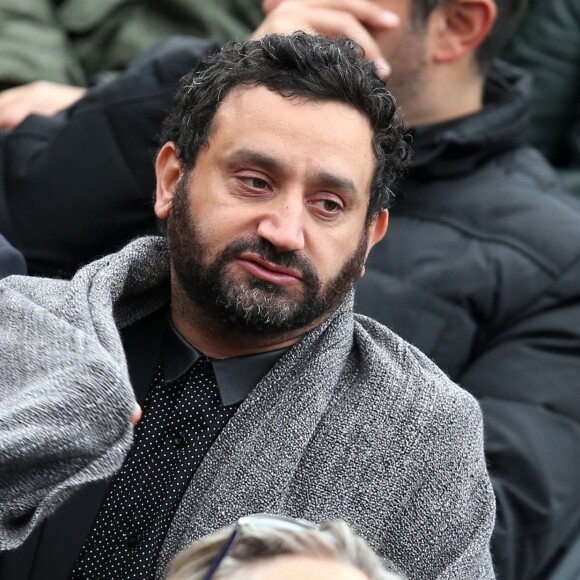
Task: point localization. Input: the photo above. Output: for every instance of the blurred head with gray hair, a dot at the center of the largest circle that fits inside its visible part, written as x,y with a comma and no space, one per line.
283,549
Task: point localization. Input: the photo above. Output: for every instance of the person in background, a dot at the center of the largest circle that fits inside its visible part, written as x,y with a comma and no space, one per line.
52,50
78,185
547,45
264,546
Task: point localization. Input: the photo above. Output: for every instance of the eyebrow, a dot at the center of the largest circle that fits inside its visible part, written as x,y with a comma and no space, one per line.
321,177
335,182
257,158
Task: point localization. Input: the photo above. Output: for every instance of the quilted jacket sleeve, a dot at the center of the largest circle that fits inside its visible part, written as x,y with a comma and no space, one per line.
528,384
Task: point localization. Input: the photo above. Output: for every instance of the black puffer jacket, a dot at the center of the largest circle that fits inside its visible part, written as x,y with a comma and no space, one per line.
480,269
11,260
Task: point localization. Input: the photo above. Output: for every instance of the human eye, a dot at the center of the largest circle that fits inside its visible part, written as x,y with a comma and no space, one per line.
255,182
327,207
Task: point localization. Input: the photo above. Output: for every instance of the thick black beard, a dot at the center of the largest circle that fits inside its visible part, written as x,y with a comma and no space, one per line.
254,307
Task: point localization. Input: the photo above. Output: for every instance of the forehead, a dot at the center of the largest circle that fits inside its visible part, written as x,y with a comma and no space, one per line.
305,134
289,567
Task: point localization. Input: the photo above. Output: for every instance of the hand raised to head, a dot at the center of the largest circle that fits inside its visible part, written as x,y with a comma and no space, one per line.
350,18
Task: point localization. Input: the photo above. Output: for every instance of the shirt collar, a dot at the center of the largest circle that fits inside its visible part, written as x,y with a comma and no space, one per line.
235,376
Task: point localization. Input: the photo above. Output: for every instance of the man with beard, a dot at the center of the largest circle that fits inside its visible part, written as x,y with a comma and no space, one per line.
261,391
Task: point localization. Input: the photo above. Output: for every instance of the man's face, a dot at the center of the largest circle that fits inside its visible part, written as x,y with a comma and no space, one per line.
268,231
406,50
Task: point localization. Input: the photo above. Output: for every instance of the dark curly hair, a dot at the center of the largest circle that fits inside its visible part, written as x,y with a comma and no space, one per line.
296,65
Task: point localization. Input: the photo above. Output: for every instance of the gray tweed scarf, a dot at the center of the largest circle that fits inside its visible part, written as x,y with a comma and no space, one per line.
352,422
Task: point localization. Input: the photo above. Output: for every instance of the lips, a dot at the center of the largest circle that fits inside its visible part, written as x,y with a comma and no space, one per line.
268,271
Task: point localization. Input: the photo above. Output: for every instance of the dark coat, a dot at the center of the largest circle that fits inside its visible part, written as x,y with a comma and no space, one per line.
11,260
480,269
547,45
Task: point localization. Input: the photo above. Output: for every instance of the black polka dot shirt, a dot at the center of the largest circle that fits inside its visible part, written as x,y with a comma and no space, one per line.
189,402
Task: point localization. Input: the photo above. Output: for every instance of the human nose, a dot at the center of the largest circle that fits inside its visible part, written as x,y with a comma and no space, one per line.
283,225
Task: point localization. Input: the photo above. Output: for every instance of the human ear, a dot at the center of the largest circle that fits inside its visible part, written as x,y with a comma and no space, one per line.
460,26
376,233
168,170
377,230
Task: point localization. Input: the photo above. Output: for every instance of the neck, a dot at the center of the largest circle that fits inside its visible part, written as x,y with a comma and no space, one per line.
214,339
449,96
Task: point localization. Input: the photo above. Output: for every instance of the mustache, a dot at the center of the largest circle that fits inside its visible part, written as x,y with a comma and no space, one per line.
267,251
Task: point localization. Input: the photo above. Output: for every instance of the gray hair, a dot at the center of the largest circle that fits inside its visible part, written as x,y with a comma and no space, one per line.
332,540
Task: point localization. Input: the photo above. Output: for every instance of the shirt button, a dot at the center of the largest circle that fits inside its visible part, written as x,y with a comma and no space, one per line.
178,440
133,539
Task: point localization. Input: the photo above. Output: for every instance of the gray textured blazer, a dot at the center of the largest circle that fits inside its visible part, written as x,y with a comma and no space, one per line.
351,423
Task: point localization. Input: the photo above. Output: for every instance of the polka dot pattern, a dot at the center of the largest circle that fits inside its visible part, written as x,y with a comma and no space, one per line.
181,420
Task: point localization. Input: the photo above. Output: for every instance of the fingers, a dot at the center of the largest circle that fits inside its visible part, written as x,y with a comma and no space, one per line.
365,11
12,111
269,5
349,18
136,416
40,97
